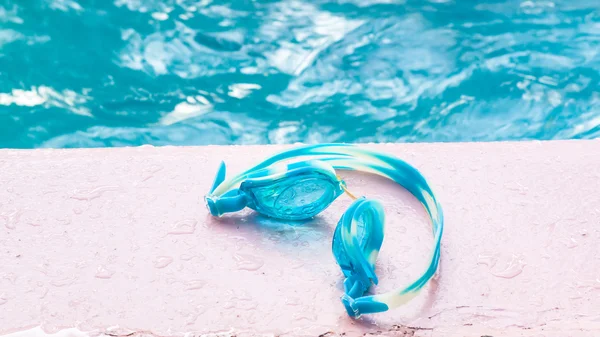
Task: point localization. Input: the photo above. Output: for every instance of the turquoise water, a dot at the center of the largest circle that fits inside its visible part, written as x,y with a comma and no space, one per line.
85,73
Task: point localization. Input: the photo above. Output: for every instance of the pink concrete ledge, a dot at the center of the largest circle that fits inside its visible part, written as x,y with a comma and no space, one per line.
117,242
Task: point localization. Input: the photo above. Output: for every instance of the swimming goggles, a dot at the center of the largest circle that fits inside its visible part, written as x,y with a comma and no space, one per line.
302,188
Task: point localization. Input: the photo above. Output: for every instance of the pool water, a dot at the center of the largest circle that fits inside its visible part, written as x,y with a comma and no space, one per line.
95,73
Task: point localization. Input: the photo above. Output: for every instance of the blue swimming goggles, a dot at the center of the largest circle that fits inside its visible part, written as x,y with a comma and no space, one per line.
301,189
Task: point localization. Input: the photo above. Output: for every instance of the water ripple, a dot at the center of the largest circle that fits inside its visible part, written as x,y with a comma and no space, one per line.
189,72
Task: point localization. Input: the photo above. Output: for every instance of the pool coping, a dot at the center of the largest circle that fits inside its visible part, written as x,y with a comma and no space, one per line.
492,193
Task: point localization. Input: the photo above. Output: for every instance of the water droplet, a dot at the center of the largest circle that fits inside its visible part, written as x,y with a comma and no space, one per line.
404,264
63,281
104,273
241,243
514,268
276,237
162,261
487,259
515,186
292,301
43,293
155,168
11,277
3,299
389,272
4,221
10,218
403,249
81,264
248,262
95,215
63,220
93,193
306,313
569,242
538,302
191,319
240,300
77,210
188,257
251,319
194,284
34,219
187,226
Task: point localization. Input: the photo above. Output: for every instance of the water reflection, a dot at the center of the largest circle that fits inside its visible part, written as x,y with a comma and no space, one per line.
130,72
